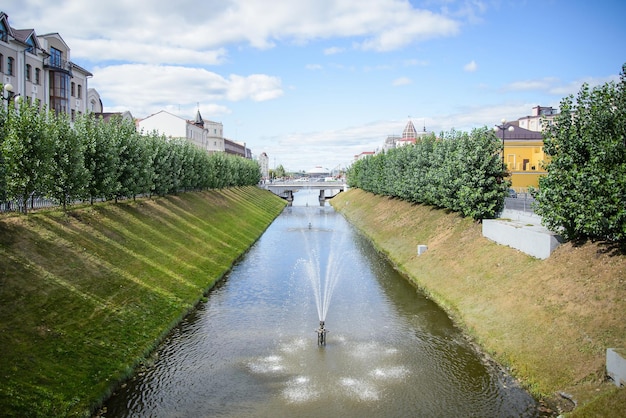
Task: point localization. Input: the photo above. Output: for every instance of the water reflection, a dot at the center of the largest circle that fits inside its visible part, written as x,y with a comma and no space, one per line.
251,350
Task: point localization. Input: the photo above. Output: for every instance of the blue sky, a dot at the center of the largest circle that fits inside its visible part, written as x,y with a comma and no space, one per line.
315,82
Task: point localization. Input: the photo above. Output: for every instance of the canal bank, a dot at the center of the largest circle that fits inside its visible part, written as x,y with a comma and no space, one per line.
85,296
548,321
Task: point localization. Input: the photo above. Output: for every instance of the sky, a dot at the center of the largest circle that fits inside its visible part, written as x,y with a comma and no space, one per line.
316,82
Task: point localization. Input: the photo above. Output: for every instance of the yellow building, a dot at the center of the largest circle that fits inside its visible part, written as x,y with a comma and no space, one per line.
523,155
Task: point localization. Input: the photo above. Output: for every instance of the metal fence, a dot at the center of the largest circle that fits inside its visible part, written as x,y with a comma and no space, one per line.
32,203
524,202
36,202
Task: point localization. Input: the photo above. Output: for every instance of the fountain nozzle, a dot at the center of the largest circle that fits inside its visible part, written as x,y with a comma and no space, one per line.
321,334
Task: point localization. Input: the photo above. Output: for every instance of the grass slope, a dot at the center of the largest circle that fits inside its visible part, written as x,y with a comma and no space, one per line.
549,321
85,296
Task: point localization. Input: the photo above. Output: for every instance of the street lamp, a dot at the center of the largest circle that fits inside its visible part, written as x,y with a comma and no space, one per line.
8,94
503,128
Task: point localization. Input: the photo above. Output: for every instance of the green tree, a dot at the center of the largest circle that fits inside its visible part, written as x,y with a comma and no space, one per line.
458,171
68,179
101,158
583,194
482,188
3,169
132,174
27,150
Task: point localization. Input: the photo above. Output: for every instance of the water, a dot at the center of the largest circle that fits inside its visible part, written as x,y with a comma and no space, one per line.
251,350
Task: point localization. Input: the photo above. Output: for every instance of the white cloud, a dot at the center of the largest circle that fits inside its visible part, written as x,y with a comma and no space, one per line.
149,88
554,86
333,50
470,67
402,81
120,28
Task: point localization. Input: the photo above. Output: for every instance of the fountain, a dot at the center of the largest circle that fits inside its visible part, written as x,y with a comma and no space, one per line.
321,334
330,263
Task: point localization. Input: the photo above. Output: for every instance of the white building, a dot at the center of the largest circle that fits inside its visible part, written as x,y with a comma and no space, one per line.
541,117
39,69
264,163
205,135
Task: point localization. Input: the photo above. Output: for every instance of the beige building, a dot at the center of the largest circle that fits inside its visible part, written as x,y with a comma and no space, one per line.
39,69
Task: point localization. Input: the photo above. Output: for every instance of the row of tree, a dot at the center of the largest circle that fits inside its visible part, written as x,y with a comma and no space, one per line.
582,196
459,171
44,154
584,193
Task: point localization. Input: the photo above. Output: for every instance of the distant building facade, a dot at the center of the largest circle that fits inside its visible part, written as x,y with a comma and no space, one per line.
524,154
264,163
206,135
410,135
40,70
540,118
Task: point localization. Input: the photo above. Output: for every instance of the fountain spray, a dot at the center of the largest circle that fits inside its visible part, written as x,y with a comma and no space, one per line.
321,334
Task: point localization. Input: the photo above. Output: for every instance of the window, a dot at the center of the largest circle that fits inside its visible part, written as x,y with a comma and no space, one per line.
31,45
37,76
72,89
4,35
59,92
56,57
29,71
80,89
1,61
10,66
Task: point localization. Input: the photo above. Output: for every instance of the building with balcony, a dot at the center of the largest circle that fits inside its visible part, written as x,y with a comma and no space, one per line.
40,70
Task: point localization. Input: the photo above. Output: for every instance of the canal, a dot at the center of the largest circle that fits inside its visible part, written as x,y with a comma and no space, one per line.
252,349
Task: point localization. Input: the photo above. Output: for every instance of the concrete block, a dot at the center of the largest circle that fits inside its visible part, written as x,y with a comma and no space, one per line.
616,365
534,240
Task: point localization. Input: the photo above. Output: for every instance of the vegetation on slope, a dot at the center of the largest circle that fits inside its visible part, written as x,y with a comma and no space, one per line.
86,295
549,321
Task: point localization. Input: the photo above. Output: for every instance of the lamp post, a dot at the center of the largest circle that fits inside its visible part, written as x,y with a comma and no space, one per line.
8,94
503,128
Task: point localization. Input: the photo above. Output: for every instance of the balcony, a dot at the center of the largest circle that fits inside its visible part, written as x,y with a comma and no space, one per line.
57,64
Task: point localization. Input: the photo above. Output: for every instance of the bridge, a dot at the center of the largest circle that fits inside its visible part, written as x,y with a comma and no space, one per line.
286,189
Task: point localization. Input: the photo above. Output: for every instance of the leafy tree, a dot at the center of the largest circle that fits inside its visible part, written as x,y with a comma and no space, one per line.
68,178
583,194
101,158
481,189
27,150
132,175
3,169
279,171
458,171
162,181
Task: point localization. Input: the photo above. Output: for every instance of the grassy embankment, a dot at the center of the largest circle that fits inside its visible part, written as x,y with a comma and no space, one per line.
549,321
84,297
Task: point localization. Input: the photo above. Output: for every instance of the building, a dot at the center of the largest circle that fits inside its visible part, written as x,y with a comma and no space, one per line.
541,117
206,135
523,147
523,155
175,127
410,135
264,163
39,69
363,155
